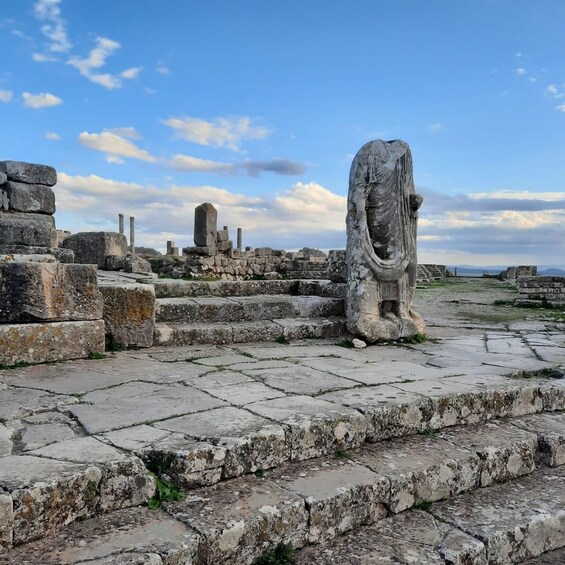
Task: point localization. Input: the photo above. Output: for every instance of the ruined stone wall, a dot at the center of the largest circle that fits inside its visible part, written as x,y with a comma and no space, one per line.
536,291
514,273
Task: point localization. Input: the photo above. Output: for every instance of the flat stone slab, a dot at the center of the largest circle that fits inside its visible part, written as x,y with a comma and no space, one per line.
136,403
314,427
414,538
550,430
339,494
517,520
19,228
251,442
239,520
35,198
29,172
55,341
123,534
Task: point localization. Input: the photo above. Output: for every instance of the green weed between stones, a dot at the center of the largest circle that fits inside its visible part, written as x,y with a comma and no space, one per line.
282,339
165,491
425,505
96,355
283,554
112,344
17,365
260,473
343,454
347,343
413,339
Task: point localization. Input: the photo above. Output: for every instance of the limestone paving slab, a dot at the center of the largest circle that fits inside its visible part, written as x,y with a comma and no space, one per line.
339,494
137,403
40,435
504,451
390,412
550,430
250,441
303,380
517,520
414,538
239,520
420,469
123,536
244,393
186,462
21,402
313,426
55,341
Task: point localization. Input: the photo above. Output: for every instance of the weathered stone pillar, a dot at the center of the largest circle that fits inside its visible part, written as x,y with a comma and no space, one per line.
239,239
381,243
132,234
121,223
205,226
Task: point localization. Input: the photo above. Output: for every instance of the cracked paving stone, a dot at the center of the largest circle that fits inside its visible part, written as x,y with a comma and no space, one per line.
21,402
40,435
245,393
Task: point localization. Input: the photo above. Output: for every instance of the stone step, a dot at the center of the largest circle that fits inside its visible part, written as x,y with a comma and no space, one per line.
47,488
518,516
180,333
247,308
511,522
177,288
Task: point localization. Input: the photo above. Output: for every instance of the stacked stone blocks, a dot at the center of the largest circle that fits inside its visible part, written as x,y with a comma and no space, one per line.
49,310
537,291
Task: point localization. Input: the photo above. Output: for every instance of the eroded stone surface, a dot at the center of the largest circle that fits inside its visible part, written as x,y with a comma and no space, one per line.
122,537
29,172
314,427
251,442
414,538
56,341
240,519
421,469
340,494
517,520
550,430
27,229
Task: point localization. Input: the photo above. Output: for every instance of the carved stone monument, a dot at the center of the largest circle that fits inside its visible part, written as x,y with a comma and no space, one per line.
382,215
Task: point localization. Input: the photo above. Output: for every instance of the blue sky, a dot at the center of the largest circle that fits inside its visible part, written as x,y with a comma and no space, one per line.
151,107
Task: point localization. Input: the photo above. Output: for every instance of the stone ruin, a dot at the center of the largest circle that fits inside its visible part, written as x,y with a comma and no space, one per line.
50,308
382,215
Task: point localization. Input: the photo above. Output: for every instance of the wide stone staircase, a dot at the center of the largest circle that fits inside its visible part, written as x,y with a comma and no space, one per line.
466,476
246,311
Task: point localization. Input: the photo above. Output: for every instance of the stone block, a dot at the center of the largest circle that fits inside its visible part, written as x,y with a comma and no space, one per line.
42,292
205,225
129,314
57,341
241,519
29,173
3,200
30,197
60,254
337,269
93,248
27,229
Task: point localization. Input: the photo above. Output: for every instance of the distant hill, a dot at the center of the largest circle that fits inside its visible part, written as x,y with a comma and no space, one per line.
477,271
553,272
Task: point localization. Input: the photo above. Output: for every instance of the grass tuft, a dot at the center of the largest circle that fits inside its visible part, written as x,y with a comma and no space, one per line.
283,554
282,339
96,355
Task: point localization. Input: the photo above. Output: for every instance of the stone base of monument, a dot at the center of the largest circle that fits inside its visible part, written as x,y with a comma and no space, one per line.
45,342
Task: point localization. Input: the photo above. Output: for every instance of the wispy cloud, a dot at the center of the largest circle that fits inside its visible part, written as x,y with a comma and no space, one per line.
521,71
114,146
52,136
221,132
187,163
131,73
435,128
96,59
55,27
6,95
128,131
42,58
41,100
162,70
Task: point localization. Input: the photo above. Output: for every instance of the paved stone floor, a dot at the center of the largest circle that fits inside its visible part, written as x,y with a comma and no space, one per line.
231,410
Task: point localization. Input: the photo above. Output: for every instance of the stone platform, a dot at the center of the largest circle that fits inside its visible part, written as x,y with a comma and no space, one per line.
298,443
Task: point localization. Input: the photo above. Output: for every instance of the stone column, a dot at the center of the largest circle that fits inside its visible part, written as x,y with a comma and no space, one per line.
205,227
132,234
121,223
239,239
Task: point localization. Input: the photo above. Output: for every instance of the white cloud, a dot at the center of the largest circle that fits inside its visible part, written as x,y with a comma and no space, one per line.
222,132
521,71
52,136
114,146
551,90
193,164
55,28
129,132
88,66
161,69
561,107
41,100
21,34
41,58
131,73
435,128
149,90
6,95
518,195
